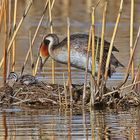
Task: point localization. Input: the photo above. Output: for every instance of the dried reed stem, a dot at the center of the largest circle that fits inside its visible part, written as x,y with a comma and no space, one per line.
137,78
31,53
69,61
122,88
92,90
36,66
102,43
16,31
97,4
93,41
130,60
9,35
5,47
112,40
131,35
34,37
65,90
87,63
51,30
14,42
2,13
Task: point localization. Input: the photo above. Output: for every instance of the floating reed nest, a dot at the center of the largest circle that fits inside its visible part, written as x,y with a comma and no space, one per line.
45,95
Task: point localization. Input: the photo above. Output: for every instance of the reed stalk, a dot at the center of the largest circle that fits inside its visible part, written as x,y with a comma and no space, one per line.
60,102
92,91
69,59
102,43
51,30
2,13
87,63
14,42
98,2
36,66
10,18
17,29
112,40
130,60
9,34
34,37
93,42
131,36
137,78
5,40
65,90
31,53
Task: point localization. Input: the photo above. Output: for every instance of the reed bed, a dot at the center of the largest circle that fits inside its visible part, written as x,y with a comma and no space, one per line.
43,94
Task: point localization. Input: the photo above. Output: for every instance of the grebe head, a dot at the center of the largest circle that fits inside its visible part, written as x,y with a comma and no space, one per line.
13,77
48,41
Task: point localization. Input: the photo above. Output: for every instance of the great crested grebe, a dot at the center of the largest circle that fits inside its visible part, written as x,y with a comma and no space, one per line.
24,79
78,43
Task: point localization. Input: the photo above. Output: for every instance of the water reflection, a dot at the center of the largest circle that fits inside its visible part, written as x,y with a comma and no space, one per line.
57,124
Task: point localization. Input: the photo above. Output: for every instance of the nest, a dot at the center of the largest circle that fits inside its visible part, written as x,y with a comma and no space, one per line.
45,95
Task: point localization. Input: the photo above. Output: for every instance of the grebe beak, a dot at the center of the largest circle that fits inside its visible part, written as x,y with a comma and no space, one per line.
42,62
44,54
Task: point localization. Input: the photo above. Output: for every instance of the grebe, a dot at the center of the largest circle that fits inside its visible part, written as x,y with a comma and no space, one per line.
24,79
78,43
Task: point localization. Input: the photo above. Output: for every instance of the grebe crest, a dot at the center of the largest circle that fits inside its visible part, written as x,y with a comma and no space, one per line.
51,39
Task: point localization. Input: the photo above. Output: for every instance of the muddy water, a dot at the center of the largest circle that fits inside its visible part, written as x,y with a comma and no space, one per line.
44,124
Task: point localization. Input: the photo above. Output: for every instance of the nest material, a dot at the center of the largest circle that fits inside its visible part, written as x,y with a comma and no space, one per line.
49,95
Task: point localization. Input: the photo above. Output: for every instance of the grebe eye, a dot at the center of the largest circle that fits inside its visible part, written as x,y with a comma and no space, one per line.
46,41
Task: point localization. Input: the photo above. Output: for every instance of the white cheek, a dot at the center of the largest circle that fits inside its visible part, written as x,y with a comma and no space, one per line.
50,39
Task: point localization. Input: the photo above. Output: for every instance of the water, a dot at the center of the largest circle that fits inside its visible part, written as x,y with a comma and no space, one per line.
23,123
59,124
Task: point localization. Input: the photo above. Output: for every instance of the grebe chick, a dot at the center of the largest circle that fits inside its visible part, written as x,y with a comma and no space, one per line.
26,79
